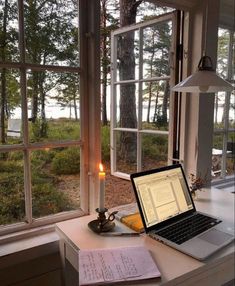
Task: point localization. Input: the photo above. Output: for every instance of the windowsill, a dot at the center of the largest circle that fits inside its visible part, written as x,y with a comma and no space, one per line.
27,247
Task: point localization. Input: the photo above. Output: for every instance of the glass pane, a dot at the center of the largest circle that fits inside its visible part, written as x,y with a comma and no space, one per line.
156,49
51,32
55,180
155,112
223,52
10,107
217,154
126,152
128,56
53,102
127,104
219,110
232,111
154,151
9,31
12,206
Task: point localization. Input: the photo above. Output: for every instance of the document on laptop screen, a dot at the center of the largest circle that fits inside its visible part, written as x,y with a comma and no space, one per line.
162,195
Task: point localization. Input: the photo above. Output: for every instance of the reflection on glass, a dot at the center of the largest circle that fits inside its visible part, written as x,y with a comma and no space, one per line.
126,105
232,111
128,56
155,112
157,42
55,180
126,152
219,109
10,107
51,32
154,151
53,106
12,206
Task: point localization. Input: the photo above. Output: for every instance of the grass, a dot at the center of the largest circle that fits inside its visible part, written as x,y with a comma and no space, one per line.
48,165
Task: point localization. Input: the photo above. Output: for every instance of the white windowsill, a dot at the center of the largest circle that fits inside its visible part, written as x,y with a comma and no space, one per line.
27,246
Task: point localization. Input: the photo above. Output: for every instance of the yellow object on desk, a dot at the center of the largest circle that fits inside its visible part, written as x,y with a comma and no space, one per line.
129,215
133,221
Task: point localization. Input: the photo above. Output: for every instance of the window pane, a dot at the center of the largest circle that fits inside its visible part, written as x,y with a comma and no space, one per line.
219,110
10,107
12,206
126,105
55,180
217,154
53,106
223,52
126,151
51,32
155,114
156,49
128,56
9,31
232,111
154,151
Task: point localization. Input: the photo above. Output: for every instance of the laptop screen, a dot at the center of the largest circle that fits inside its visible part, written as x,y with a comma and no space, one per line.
162,194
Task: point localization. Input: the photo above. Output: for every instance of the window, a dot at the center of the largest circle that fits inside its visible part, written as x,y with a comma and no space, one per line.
224,121
142,68
40,115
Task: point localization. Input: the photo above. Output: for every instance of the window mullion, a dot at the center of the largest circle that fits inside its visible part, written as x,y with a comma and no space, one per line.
113,122
140,101
23,92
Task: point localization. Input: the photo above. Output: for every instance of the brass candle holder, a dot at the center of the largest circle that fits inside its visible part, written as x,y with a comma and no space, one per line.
102,224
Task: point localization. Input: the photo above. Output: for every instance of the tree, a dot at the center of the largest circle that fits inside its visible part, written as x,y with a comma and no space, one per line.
8,80
109,22
156,49
126,57
51,39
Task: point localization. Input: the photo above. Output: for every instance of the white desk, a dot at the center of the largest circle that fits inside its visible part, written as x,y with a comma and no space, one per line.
176,267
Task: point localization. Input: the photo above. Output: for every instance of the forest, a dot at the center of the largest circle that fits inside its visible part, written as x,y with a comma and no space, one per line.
43,40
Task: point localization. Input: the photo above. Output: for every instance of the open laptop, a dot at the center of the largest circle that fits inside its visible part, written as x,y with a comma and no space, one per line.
169,214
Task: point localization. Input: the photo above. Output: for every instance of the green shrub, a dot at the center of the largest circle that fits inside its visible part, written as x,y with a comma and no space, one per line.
66,162
47,200
105,143
155,147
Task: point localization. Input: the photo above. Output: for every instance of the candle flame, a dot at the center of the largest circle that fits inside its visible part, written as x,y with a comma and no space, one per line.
101,167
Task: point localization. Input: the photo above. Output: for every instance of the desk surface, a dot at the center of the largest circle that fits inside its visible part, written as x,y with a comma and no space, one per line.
174,266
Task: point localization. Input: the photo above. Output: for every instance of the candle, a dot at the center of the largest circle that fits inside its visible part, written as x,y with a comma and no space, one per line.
102,186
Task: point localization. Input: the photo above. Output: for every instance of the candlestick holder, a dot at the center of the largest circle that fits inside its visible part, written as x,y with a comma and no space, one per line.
102,224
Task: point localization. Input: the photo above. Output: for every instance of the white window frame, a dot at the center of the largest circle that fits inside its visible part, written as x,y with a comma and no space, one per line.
139,131
89,12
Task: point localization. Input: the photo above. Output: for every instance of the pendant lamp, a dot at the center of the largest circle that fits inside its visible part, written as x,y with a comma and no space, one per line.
205,80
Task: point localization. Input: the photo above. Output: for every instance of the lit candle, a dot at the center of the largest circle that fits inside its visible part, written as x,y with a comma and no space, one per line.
102,186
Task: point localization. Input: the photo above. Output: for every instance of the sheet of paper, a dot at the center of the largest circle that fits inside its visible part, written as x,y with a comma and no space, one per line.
117,264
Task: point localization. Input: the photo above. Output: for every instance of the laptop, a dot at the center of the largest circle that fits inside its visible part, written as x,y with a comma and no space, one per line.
169,214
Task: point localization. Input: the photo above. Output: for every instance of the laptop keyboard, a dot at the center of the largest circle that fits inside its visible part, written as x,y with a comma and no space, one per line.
188,228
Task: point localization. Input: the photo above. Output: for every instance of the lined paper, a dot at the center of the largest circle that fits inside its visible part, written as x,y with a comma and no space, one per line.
116,264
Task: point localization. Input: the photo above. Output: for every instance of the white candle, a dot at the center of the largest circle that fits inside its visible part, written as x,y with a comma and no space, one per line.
102,186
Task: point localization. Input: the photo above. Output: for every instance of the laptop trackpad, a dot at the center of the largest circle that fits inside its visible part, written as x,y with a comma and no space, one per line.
215,237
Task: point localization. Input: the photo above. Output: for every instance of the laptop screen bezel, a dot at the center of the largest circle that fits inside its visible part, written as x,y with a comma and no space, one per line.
169,221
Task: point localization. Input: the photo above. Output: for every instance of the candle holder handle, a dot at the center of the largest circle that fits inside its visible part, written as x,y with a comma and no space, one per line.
102,224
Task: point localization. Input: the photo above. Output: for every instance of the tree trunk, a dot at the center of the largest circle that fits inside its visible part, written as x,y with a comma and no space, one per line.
104,62
34,100
128,118
165,103
151,74
43,123
75,107
3,75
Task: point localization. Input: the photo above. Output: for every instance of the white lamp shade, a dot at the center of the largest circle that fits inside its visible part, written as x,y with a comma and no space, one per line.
203,81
